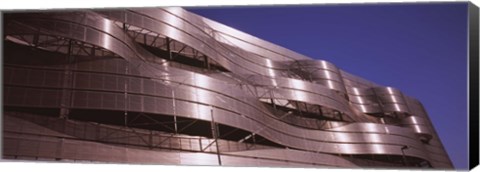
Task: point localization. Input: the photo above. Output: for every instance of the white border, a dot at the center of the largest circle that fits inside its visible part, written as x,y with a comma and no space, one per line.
76,4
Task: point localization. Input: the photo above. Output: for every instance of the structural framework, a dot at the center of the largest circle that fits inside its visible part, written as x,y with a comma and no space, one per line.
165,86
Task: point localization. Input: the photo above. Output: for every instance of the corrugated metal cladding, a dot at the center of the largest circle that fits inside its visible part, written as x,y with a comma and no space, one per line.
166,86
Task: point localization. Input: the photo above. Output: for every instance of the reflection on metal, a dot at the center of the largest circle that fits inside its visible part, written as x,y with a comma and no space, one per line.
177,83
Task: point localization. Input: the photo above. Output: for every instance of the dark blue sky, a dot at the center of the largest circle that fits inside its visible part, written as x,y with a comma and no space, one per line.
420,49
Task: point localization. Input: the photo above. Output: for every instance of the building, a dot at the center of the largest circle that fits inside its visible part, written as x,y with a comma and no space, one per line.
166,86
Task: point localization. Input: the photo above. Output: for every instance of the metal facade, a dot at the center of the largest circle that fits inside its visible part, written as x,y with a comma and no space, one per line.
166,86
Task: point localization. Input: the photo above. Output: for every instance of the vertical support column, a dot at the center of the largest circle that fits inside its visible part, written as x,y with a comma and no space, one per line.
125,94
403,155
306,107
320,112
200,144
59,152
67,84
298,108
92,51
145,39
150,139
272,99
174,112
215,135
207,63
170,57
253,139
124,27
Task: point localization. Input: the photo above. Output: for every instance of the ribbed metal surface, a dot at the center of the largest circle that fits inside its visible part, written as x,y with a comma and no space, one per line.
259,75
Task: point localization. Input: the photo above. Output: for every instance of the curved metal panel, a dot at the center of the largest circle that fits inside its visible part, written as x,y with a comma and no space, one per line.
139,82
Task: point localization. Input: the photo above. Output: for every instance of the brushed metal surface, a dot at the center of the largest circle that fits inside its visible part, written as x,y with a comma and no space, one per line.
135,80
